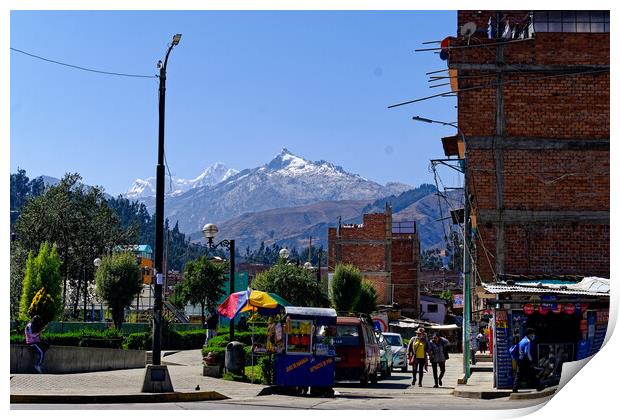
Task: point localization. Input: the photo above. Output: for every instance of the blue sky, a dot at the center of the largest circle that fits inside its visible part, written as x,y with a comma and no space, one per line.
241,86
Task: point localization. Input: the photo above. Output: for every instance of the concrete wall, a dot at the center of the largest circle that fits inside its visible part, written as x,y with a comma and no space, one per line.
69,359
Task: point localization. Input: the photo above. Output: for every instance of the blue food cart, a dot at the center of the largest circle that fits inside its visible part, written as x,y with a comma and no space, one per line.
305,352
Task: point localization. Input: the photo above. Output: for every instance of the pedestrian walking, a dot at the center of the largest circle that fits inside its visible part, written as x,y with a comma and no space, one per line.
482,341
525,363
212,321
473,348
417,352
33,338
437,355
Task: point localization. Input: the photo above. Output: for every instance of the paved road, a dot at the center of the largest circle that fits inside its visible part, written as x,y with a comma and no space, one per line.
393,393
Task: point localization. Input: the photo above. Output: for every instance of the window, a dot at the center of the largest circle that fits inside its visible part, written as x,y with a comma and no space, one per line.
571,21
433,308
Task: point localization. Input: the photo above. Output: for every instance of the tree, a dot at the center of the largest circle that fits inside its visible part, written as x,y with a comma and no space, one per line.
366,302
431,259
346,287
43,304
118,280
297,285
203,284
22,189
78,220
42,272
18,267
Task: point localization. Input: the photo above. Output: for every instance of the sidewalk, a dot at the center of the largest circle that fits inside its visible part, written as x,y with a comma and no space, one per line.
184,368
480,384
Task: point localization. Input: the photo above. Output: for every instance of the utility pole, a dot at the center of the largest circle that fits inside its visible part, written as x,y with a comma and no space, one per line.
466,252
157,378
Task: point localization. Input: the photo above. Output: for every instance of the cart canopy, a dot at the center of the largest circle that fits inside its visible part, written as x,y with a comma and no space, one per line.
322,316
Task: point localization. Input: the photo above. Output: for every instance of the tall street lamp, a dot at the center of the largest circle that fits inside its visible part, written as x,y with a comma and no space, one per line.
466,256
210,231
159,208
96,263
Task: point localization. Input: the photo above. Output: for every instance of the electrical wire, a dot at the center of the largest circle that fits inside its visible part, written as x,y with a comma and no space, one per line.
475,46
499,84
83,68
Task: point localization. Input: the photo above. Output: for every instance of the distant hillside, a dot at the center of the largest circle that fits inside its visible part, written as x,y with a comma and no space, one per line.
292,227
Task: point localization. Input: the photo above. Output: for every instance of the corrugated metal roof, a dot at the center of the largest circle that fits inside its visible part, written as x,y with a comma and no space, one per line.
589,286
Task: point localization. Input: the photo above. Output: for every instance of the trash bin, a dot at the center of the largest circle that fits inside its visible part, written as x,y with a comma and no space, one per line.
234,360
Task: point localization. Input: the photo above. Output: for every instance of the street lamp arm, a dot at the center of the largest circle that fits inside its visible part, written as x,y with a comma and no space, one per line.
167,55
428,120
224,244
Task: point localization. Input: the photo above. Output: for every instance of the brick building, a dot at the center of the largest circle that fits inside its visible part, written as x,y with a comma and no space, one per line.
386,252
534,111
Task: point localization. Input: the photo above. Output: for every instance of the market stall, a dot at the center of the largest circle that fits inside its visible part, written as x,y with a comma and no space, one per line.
569,319
304,351
256,302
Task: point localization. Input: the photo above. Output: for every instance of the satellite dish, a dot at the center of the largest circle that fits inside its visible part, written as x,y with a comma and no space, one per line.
444,55
468,29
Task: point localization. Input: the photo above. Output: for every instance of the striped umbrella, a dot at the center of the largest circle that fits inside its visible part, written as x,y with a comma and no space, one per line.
251,300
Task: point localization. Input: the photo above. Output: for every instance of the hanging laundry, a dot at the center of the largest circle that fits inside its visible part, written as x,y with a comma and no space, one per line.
490,29
515,32
506,33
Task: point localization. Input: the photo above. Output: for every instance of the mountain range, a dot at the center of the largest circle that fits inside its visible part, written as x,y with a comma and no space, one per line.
214,174
294,226
290,199
286,181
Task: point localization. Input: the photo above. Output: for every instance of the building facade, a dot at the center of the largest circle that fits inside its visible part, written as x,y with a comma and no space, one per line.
533,106
386,252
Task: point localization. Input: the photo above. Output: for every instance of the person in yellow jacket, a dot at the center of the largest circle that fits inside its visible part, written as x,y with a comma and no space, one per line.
417,354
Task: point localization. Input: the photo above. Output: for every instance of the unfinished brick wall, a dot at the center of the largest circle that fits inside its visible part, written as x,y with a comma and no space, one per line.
389,261
547,157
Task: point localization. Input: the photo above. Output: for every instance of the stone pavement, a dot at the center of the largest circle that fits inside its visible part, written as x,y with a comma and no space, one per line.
185,369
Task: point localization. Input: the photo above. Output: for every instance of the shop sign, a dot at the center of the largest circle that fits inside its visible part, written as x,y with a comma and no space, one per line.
380,322
458,301
501,316
528,308
558,308
297,364
569,308
581,307
602,317
544,309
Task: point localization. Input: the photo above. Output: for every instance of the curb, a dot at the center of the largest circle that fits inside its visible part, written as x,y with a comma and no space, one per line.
481,395
533,395
117,398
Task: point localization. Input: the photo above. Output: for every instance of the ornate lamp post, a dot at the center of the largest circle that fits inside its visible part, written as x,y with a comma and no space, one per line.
210,231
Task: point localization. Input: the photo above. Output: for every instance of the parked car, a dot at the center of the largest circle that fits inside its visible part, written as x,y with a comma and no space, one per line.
385,355
399,351
357,350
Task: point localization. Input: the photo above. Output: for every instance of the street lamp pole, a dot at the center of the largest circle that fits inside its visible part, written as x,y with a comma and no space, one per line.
159,208
466,256
209,231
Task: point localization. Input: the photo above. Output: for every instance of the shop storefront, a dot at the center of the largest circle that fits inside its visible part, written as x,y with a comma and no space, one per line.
569,319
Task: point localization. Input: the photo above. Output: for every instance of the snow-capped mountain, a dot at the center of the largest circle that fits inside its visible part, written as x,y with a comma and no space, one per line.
214,174
287,180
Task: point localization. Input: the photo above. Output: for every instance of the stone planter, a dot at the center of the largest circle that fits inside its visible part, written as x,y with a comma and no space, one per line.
214,371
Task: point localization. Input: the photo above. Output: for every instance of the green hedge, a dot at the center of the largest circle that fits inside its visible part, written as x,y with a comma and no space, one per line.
171,340
111,338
